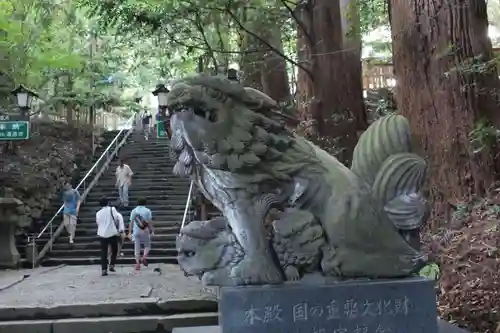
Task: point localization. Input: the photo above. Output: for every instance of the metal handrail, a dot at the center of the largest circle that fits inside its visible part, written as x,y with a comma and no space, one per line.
107,153
188,204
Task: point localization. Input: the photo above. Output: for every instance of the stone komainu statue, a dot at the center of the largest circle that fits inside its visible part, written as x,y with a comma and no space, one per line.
342,222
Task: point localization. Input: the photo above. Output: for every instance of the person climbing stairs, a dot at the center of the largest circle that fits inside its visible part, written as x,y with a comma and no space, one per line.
166,193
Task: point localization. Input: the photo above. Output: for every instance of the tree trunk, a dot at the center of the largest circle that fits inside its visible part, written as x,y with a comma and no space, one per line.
264,70
273,74
250,62
337,107
308,113
434,45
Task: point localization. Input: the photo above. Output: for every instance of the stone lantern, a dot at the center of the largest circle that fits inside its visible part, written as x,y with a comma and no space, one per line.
9,206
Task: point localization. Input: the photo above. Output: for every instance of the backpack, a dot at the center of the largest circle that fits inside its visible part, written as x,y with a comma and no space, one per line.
140,222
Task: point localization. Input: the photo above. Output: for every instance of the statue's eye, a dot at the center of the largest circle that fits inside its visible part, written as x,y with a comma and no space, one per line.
200,112
189,253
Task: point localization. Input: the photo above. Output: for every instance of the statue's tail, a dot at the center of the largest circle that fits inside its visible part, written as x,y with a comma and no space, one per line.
397,189
385,137
384,159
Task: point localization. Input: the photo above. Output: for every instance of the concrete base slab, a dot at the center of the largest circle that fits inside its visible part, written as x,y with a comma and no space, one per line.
80,291
136,324
132,307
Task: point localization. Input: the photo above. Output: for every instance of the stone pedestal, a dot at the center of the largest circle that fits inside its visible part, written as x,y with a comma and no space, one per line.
9,256
378,306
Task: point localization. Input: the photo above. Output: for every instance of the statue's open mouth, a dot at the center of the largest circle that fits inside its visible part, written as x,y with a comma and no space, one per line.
198,111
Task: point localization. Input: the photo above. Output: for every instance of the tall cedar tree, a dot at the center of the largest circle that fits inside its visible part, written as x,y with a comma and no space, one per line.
331,93
435,45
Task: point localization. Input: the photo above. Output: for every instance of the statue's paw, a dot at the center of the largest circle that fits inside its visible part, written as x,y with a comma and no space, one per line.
256,270
330,262
221,277
292,273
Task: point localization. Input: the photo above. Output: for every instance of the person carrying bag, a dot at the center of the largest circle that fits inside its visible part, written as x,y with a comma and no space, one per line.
140,231
109,226
121,234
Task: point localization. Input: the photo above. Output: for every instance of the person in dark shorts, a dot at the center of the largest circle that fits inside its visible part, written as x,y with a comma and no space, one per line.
146,124
157,121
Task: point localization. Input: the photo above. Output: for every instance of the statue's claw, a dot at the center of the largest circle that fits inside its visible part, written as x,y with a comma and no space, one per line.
257,270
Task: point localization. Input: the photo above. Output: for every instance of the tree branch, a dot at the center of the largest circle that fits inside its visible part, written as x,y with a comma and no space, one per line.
205,40
221,41
260,39
299,22
174,39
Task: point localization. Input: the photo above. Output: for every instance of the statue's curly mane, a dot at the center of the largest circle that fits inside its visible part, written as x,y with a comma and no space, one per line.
249,139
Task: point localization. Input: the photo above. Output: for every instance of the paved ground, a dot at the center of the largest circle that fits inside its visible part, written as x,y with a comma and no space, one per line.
72,285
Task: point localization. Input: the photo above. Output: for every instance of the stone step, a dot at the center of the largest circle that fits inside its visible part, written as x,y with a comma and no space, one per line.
159,216
150,182
161,168
132,160
157,209
140,148
153,196
90,230
179,194
87,216
161,165
93,238
131,151
54,261
115,324
108,185
128,252
165,206
159,225
141,190
156,181
132,156
84,228
164,170
95,245
151,200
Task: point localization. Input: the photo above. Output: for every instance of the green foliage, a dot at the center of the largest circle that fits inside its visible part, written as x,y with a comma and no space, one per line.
494,13
64,48
462,210
372,14
54,48
483,136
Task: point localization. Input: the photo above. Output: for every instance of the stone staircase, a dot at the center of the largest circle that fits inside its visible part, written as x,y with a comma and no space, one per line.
21,240
165,193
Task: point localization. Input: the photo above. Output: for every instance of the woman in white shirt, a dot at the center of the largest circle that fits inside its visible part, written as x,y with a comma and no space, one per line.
109,227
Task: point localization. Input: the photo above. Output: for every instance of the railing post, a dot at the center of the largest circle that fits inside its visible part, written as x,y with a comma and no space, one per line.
51,233
33,251
188,203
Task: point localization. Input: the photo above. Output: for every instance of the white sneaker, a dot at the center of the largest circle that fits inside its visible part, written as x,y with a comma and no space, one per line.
71,240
